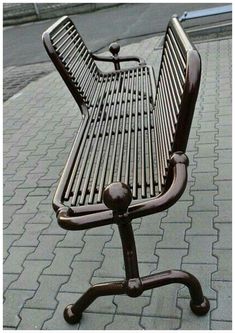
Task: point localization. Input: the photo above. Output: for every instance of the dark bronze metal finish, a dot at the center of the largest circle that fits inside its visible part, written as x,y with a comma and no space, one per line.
128,158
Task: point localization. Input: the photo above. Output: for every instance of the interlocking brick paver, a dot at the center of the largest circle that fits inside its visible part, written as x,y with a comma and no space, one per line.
224,172
150,323
28,279
45,248
225,236
14,261
62,260
224,307
200,249
173,236
224,271
224,211
8,279
92,248
221,325
45,296
80,277
202,224
33,319
203,201
13,304
7,242
124,322
108,269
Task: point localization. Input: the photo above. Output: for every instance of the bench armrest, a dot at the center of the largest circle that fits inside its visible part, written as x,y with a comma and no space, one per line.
179,163
114,48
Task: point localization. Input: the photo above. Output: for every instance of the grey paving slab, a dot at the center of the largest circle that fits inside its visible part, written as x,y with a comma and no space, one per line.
58,266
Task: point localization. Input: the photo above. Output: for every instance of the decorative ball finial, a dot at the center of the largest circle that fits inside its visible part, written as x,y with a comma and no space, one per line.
114,48
117,196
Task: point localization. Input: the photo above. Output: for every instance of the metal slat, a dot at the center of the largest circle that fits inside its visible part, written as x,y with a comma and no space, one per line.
64,42
143,162
62,36
72,178
150,148
120,162
86,154
110,178
101,149
81,48
102,180
155,129
84,74
180,68
60,30
135,161
94,149
70,51
128,155
177,48
177,83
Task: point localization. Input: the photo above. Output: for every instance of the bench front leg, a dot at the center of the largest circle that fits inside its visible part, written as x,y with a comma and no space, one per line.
73,312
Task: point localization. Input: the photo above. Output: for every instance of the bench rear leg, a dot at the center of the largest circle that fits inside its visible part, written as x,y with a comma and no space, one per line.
73,312
199,304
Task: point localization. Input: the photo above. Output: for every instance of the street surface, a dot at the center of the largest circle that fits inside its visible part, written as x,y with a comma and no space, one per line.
22,44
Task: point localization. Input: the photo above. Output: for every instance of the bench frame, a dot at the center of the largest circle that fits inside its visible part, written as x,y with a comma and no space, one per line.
117,197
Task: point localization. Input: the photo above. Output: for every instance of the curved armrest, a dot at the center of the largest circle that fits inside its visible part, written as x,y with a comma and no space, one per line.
179,163
141,61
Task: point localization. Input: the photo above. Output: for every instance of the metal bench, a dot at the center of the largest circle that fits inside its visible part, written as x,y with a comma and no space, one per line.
128,158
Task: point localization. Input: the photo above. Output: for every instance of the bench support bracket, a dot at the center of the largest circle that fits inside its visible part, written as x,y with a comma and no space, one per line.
134,285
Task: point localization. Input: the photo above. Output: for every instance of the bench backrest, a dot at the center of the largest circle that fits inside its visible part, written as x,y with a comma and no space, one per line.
73,60
177,90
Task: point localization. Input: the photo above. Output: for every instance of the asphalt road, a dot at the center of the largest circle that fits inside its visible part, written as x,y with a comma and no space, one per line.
22,44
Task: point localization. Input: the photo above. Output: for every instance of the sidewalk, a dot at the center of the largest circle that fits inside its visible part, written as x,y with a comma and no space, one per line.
46,268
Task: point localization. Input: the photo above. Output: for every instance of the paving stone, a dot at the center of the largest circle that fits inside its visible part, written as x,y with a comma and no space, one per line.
111,268
95,321
221,325
72,239
204,181
189,320
14,302
9,211
150,225
163,302
8,279
205,164
45,248
178,212
224,211
9,188
61,264
128,305
31,205
207,137
224,272
224,172
14,261
105,230
28,278
33,319
54,228
225,236
8,240
57,319
103,305
145,246
17,226
224,190
45,296
173,236
224,131
200,250
92,250
41,217
224,307
30,236
202,223
124,322
170,259
203,201
80,277
206,150
153,323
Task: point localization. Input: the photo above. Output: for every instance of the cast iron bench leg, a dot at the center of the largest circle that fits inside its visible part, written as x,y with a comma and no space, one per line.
199,304
73,312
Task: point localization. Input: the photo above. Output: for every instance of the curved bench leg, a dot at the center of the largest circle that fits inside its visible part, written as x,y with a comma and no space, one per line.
199,303
73,312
